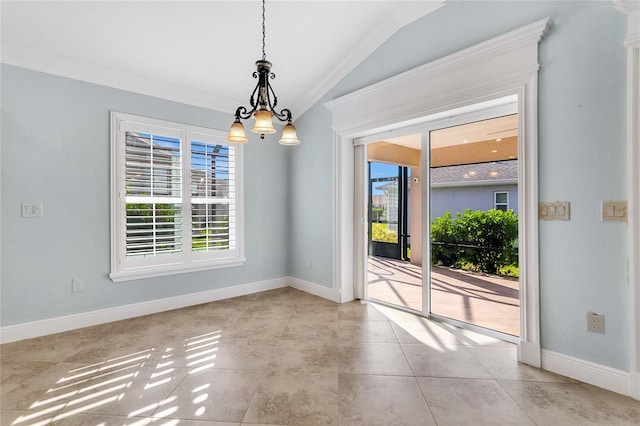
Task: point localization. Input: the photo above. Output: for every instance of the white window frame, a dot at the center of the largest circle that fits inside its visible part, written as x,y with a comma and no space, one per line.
124,268
495,199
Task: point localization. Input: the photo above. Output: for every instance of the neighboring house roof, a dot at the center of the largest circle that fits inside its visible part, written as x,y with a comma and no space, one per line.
496,172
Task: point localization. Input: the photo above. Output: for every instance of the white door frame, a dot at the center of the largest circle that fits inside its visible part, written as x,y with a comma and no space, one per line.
455,82
632,42
473,113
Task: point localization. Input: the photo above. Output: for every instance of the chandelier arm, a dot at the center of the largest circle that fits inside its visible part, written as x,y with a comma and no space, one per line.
284,115
271,95
254,99
242,113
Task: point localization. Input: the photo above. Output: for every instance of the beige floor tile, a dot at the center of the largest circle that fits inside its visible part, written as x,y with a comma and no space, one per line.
296,399
133,393
118,347
629,408
471,402
373,358
502,363
303,329
274,358
15,372
19,418
424,332
255,328
320,312
353,331
569,404
472,338
447,361
212,395
382,400
54,347
359,310
40,389
158,421
242,354
306,356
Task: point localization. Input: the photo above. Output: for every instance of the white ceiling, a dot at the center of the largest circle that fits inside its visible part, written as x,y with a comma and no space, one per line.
202,53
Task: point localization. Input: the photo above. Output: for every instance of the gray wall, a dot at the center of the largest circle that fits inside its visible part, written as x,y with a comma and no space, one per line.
581,158
457,199
55,149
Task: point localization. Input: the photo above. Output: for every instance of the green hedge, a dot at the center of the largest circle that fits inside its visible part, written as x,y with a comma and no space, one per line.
478,240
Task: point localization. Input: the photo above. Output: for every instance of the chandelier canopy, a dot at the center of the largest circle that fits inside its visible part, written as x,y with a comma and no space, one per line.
263,103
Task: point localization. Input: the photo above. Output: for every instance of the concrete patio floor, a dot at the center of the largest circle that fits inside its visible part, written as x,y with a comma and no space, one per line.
483,300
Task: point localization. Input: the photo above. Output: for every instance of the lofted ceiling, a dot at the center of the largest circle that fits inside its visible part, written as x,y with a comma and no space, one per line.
203,52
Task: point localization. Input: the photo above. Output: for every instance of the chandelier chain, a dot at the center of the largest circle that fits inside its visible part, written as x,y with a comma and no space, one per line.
264,55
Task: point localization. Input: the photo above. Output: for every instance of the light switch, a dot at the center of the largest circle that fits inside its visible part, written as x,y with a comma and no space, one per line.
614,211
31,209
557,210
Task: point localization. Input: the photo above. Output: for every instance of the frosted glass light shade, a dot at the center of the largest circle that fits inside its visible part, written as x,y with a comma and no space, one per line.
289,135
236,133
263,124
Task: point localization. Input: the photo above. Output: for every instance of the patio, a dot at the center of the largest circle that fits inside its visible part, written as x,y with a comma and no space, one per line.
484,300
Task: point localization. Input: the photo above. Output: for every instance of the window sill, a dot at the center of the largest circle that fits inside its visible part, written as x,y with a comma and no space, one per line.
161,271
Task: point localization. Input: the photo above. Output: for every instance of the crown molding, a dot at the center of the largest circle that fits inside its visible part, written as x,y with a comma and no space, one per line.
405,93
631,8
83,71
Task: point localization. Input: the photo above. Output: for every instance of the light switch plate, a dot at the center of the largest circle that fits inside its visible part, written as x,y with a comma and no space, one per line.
614,211
31,209
556,210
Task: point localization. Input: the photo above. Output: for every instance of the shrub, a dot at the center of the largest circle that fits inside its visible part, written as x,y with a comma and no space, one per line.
489,237
380,232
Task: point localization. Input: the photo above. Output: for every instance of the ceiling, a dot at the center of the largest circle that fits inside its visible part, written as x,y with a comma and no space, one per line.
495,139
202,53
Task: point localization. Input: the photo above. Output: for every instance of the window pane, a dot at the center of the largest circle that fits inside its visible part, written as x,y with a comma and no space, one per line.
152,165
501,198
212,197
153,190
211,228
154,228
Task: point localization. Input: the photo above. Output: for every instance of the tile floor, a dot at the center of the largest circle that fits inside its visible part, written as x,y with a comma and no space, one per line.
284,357
488,301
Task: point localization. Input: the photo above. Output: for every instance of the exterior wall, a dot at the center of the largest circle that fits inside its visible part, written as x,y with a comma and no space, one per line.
457,199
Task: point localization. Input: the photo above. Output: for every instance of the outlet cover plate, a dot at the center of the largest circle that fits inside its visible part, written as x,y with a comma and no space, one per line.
595,322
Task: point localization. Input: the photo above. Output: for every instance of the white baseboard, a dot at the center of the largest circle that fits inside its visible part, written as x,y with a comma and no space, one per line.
529,353
29,330
595,374
315,289
634,387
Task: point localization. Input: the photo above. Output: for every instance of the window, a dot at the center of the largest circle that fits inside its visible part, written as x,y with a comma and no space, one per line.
501,201
176,199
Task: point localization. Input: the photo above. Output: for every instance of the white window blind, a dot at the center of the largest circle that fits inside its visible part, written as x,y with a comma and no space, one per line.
153,177
176,198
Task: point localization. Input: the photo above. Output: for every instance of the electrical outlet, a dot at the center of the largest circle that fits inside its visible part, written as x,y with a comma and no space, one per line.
77,285
595,322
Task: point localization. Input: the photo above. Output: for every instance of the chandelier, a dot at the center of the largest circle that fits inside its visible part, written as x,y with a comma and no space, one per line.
263,102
